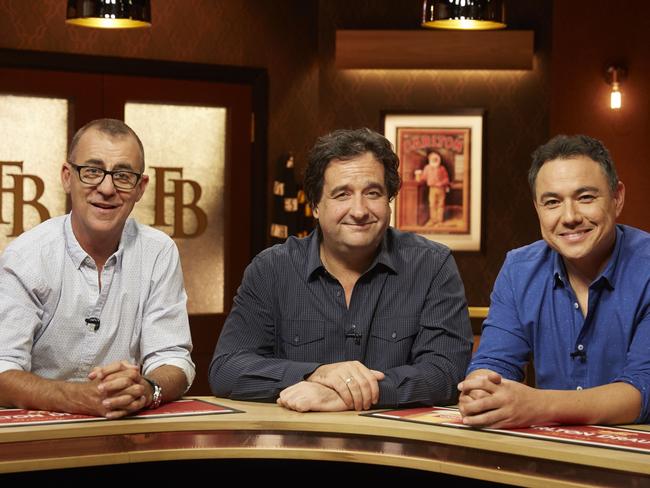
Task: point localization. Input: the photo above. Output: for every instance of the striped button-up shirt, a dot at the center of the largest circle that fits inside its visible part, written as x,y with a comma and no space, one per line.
407,318
49,287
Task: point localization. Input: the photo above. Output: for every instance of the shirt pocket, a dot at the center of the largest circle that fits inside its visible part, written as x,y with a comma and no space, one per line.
302,340
391,341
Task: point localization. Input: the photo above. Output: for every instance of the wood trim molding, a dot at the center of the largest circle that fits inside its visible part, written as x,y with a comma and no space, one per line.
428,49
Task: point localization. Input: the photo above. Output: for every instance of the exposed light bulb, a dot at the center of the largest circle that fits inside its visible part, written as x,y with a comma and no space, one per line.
615,97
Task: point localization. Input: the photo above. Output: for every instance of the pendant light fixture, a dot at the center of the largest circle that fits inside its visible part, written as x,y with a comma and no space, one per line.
109,14
464,14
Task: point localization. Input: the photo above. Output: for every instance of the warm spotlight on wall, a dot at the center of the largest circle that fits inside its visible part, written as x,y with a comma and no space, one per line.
614,76
109,14
464,14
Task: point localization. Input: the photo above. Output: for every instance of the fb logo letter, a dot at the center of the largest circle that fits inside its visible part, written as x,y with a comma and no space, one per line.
177,195
18,190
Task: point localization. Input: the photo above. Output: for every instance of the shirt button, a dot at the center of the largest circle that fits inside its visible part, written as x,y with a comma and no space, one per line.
394,334
296,339
580,347
579,388
576,305
338,293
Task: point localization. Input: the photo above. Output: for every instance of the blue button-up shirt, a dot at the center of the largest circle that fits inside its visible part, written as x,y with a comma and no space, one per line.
407,318
534,310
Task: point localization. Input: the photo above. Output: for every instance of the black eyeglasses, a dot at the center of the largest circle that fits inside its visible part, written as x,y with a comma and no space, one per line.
122,179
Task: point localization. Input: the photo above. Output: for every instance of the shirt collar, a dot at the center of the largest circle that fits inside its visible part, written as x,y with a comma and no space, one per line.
313,254
609,273
315,264
607,277
385,256
77,253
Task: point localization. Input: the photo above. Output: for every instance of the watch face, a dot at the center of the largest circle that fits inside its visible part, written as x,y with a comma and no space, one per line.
157,397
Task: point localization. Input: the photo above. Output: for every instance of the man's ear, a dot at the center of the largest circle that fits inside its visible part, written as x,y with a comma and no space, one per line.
66,178
142,186
619,197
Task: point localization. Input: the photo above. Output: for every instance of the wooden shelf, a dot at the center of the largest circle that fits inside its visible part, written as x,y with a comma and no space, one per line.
434,49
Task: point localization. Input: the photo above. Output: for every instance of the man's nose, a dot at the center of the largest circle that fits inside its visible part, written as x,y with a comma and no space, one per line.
107,187
571,213
359,207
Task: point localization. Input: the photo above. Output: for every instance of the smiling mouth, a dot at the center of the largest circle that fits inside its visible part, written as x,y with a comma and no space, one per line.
104,206
575,235
360,225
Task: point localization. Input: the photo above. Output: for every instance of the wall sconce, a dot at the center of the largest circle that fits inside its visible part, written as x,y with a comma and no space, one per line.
109,14
464,14
614,75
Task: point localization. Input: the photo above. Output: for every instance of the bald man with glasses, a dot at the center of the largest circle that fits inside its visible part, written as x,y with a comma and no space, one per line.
93,315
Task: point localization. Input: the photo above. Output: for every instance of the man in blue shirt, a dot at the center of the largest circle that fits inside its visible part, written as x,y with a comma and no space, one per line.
355,315
578,302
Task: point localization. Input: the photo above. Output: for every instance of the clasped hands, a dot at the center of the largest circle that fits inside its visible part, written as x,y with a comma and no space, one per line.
488,400
115,390
335,387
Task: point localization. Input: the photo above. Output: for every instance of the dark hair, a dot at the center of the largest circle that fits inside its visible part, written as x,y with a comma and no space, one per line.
112,127
565,147
344,144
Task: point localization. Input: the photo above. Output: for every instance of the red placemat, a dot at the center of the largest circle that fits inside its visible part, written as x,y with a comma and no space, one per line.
590,435
12,417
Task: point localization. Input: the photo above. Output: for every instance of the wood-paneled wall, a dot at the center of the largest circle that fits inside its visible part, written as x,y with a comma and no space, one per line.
590,35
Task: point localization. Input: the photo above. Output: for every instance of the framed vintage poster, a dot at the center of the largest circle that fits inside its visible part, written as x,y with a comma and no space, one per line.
440,166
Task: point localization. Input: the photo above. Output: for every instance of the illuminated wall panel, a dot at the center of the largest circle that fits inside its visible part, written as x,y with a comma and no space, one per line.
185,159
33,145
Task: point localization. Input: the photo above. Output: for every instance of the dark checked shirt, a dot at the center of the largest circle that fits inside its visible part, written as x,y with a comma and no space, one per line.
533,310
407,318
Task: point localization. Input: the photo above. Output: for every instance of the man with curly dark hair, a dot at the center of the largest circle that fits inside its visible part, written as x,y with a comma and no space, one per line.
355,315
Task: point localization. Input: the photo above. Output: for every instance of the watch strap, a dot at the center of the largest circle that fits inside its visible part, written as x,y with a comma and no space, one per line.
156,396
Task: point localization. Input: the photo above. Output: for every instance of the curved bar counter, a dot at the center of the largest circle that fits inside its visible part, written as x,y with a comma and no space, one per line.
266,431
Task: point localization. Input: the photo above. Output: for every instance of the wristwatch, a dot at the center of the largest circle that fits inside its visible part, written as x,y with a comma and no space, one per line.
156,397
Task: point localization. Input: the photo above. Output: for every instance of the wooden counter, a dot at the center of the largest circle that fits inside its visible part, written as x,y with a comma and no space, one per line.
266,431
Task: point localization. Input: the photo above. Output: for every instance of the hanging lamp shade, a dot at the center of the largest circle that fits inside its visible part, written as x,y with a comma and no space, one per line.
464,14
109,14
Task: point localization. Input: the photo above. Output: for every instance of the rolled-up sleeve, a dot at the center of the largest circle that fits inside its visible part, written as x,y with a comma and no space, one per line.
166,335
21,312
637,367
